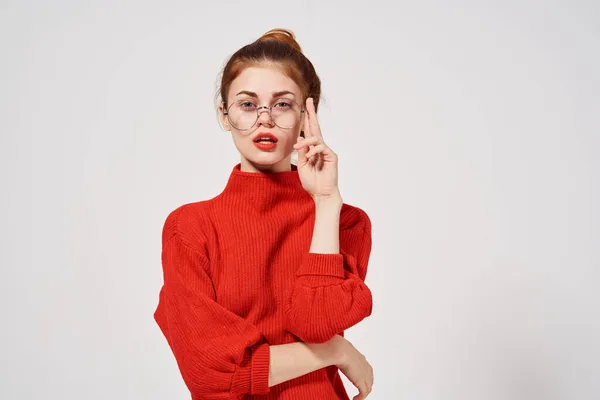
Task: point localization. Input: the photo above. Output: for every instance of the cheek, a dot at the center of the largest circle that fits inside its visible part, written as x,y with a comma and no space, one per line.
293,137
241,142
241,137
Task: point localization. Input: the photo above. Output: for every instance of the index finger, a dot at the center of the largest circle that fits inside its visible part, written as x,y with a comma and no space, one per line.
315,129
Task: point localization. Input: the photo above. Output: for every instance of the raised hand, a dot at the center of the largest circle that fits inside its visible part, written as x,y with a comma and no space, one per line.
317,163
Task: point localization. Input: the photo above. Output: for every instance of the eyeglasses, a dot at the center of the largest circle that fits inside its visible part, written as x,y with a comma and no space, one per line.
243,114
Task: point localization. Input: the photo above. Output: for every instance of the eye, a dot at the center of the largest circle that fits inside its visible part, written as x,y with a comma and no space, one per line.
247,105
283,104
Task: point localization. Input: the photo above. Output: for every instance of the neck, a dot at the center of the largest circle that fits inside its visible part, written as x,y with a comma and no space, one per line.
280,166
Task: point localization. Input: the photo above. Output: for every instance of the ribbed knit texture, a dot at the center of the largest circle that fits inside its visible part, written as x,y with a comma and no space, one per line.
238,277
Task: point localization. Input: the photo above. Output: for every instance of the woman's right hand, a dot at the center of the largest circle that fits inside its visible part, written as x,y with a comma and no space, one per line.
353,365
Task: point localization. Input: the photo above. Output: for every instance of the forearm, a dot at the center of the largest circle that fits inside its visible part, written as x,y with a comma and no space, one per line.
329,294
289,361
326,237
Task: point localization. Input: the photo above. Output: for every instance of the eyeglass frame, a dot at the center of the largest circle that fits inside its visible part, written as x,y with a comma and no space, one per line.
226,113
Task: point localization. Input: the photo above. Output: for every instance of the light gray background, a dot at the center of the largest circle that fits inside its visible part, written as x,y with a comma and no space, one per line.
468,132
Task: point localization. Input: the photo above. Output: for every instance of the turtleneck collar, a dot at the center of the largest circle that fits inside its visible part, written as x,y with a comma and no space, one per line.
264,190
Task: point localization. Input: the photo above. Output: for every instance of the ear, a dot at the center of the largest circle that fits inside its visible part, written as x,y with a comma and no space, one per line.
223,118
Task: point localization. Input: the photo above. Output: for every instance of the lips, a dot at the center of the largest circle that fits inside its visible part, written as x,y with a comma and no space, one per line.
270,138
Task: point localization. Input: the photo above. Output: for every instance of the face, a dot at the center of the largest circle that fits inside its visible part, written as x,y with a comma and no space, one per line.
253,88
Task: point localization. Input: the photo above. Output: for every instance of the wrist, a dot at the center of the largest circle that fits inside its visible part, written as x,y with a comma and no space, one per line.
335,350
330,201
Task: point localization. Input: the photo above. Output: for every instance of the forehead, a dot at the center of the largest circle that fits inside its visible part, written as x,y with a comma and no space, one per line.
263,81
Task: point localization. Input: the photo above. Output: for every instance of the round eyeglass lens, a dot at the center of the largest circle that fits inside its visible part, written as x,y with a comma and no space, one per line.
243,114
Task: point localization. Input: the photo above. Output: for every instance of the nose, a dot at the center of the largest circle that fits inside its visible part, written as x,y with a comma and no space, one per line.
264,117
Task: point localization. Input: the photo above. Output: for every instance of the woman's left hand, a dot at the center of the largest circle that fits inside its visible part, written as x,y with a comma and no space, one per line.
317,163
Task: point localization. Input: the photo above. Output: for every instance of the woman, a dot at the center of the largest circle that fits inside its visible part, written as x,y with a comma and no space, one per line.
261,281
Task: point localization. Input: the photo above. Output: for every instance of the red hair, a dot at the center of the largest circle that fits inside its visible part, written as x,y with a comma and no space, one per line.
278,47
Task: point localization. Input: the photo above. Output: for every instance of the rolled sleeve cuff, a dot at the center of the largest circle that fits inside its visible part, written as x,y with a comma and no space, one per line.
252,377
331,264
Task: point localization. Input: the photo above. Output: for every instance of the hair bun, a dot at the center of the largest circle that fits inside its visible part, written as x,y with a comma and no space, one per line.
282,35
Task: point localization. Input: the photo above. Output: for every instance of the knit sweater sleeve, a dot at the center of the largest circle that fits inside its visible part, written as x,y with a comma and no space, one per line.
219,354
329,294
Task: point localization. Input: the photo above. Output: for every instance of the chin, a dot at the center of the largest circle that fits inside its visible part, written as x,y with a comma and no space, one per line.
266,158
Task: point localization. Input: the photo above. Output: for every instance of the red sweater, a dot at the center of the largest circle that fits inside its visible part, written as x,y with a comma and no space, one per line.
238,277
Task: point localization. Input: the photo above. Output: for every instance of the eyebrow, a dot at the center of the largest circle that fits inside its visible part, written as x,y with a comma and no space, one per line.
274,94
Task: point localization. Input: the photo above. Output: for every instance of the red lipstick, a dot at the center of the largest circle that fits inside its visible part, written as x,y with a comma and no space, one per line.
265,141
